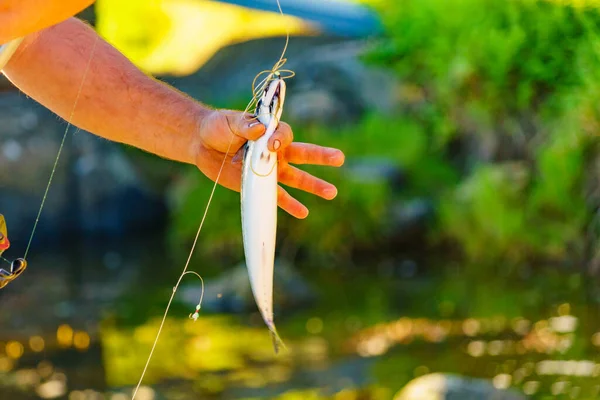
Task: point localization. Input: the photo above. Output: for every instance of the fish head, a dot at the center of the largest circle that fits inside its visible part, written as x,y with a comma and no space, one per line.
272,98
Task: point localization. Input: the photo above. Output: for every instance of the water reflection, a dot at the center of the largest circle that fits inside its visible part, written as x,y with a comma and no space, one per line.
86,335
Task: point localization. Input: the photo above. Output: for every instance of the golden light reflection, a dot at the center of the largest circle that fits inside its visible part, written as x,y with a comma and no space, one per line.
81,340
519,375
531,387
279,373
314,349
64,335
502,381
45,369
51,389
476,348
36,344
6,364
521,326
566,367
554,335
146,393
374,346
401,329
436,333
76,395
14,349
495,347
27,377
559,387
563,324
214,343
471,327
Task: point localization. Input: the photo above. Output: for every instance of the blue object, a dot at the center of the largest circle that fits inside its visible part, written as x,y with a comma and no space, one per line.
336,17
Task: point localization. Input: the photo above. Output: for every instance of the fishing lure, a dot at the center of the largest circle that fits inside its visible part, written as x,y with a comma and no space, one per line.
259,201
4,242
17,266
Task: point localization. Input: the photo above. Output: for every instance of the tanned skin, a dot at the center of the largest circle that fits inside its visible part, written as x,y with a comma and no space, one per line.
120,103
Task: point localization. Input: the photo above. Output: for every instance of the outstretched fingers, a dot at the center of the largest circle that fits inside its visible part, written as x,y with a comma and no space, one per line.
290,204
307,153
298,179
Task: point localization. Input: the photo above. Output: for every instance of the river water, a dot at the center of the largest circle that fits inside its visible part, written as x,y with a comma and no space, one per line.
80,322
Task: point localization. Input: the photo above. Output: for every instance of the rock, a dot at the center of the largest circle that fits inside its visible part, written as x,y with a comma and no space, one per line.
454,387
231,292
376,169
331,84
409,219
95,190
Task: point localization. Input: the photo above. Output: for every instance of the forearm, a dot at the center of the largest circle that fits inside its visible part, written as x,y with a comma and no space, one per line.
22,17
117,101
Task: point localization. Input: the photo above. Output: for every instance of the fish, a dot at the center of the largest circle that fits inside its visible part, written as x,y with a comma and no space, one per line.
17,266
259,202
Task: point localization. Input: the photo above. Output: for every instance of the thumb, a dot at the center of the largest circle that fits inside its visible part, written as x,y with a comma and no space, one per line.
247,128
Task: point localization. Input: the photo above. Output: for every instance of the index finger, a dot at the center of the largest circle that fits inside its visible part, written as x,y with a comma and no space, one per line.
308,153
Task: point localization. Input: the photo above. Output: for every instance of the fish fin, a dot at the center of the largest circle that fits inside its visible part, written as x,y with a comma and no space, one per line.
277,342
240,156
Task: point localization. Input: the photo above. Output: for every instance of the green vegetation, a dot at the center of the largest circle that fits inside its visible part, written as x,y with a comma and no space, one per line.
496,124
511,84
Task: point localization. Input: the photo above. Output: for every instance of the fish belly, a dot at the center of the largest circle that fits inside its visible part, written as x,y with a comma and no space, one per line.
259,227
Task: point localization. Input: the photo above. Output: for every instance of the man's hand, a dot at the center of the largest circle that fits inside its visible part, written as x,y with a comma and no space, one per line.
216,130
118,102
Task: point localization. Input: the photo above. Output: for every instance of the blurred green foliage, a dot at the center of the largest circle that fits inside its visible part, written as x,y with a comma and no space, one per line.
496,124
358,217
511,83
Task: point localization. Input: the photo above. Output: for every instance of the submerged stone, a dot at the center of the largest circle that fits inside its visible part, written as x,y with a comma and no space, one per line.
454,387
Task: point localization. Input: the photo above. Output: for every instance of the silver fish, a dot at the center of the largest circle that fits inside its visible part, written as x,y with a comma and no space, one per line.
259,202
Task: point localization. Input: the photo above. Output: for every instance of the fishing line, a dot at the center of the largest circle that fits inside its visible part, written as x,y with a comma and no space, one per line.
255,96
185,268
60,148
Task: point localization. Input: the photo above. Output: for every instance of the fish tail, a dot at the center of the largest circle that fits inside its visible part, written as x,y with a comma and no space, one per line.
277,342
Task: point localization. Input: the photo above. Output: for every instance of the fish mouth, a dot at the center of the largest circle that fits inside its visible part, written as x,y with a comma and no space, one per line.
277,91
